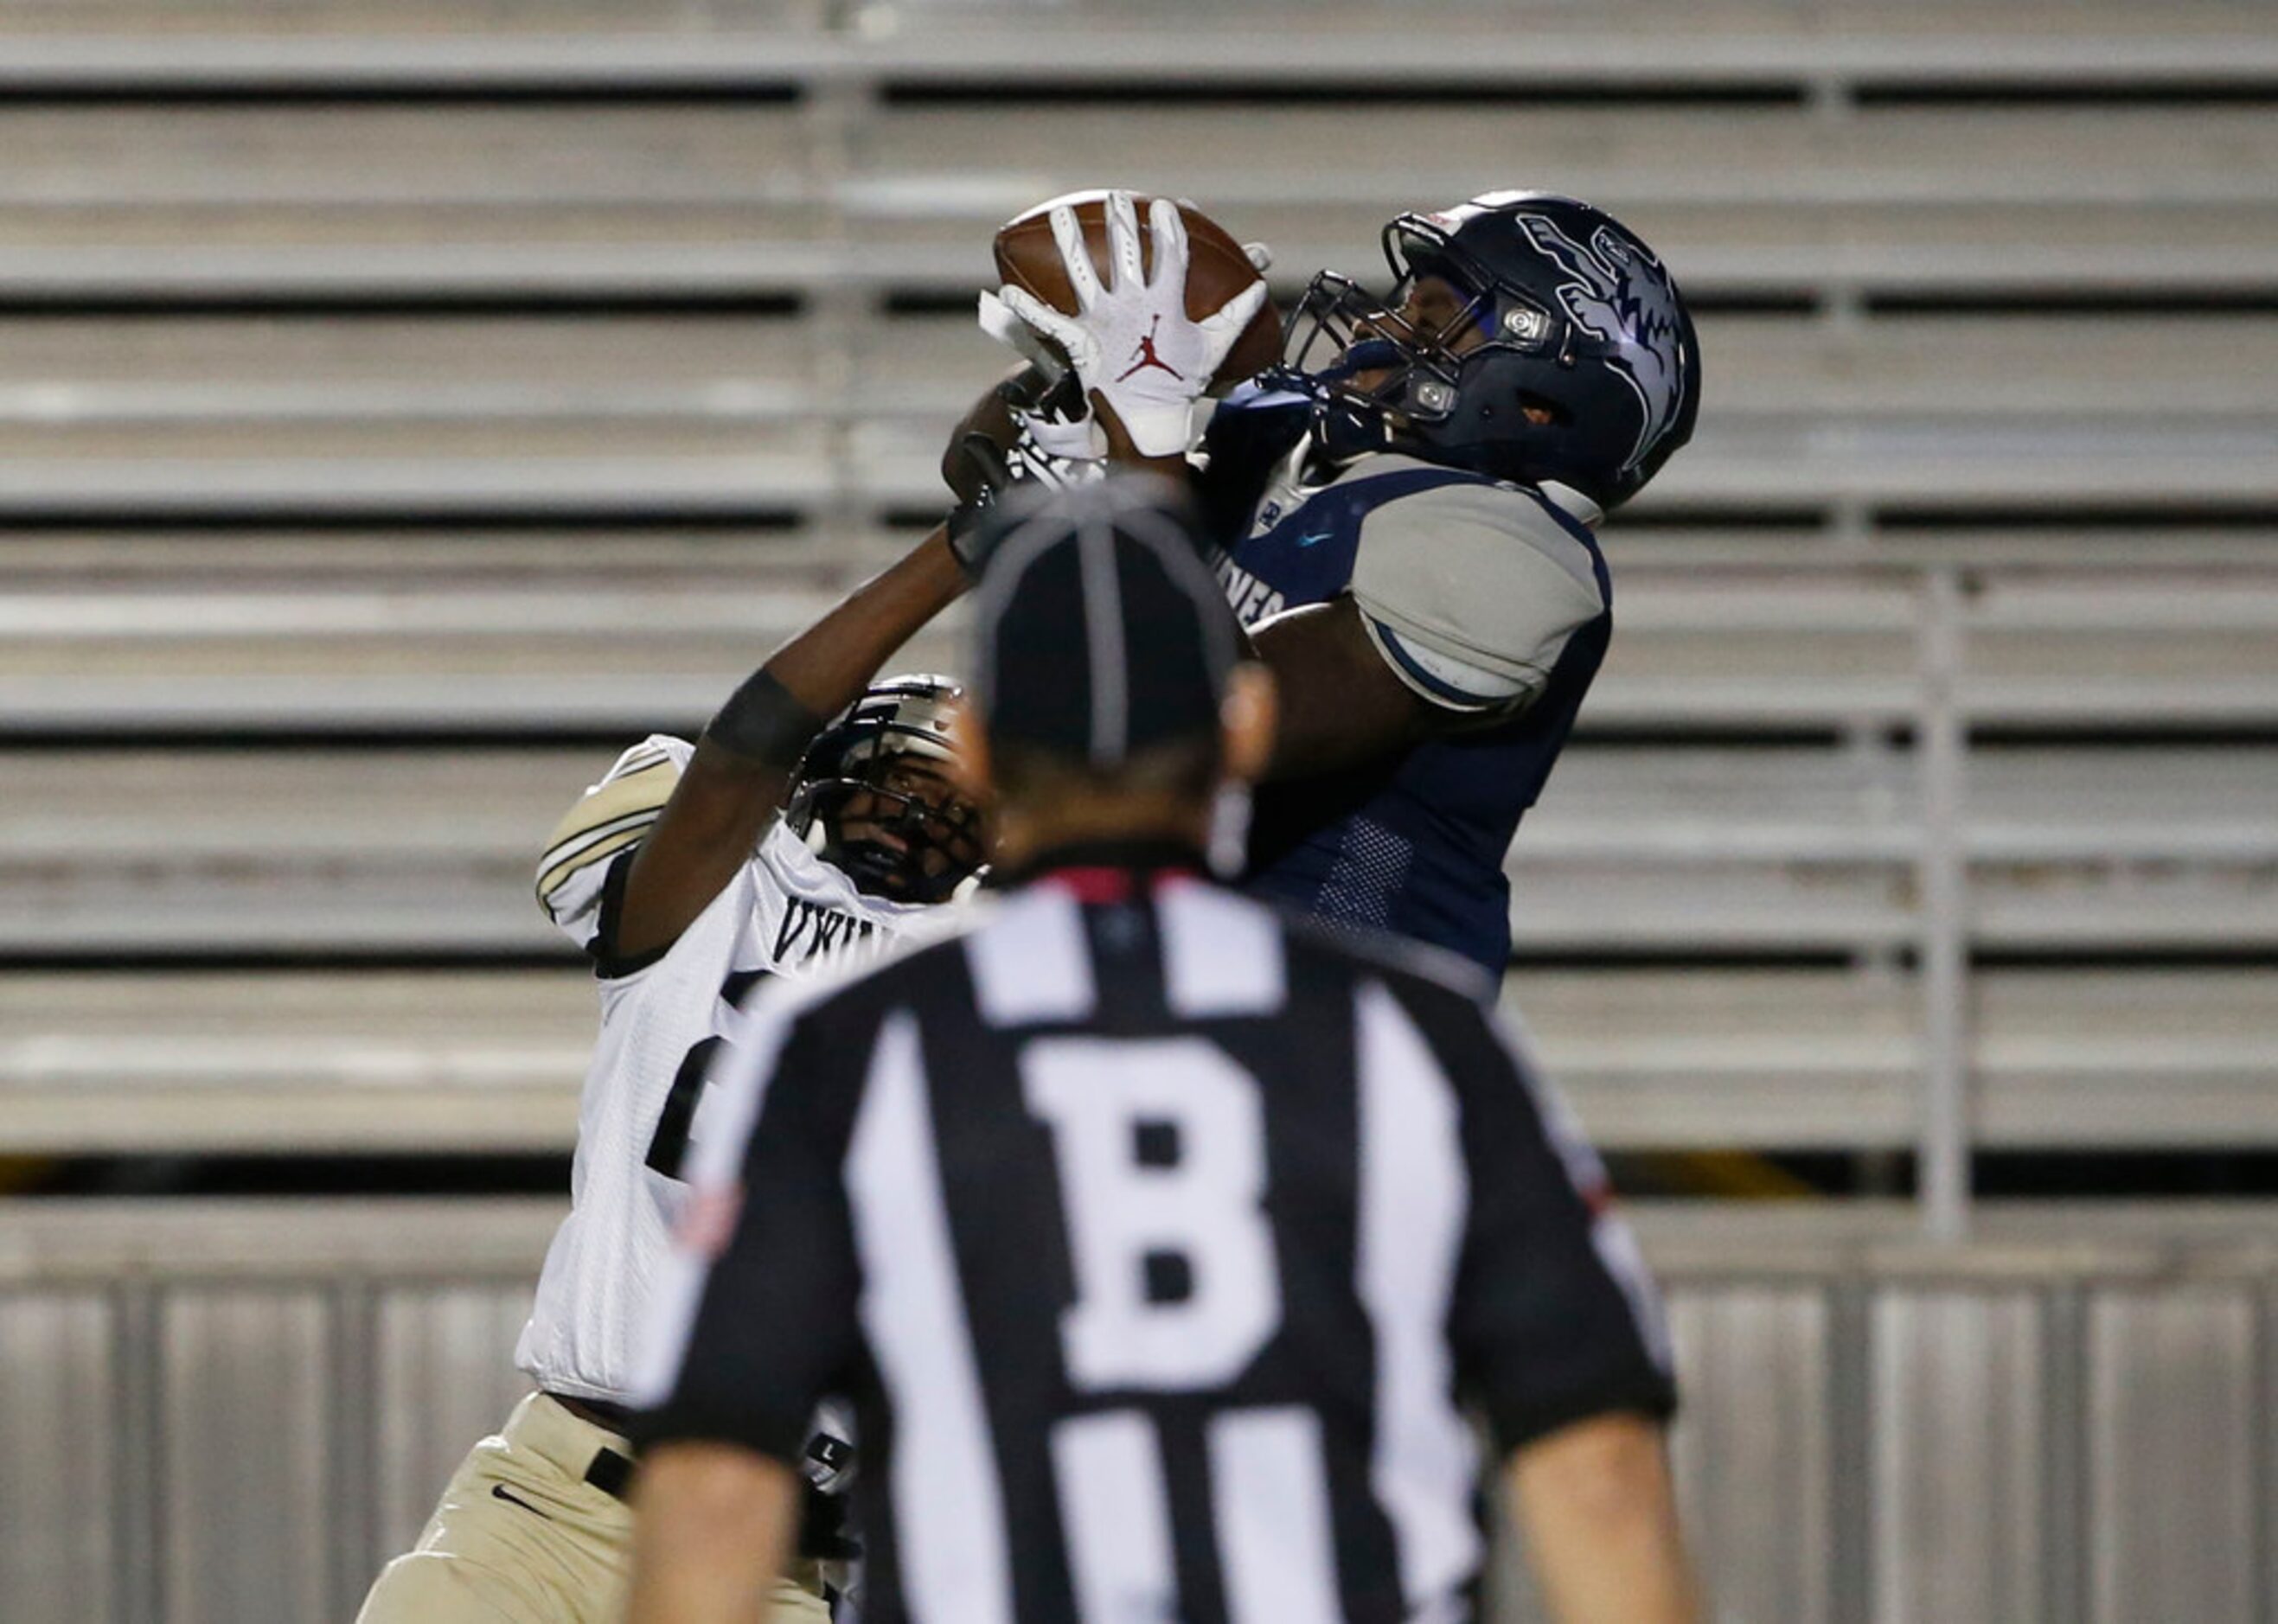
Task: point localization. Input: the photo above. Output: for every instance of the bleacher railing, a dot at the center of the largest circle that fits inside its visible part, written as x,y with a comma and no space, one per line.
240,1409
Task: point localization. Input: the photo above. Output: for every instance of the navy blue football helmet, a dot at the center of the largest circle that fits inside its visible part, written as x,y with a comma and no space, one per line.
1575,317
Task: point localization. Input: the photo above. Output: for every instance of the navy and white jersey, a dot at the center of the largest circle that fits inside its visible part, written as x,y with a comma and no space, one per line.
1484,597
1161,1244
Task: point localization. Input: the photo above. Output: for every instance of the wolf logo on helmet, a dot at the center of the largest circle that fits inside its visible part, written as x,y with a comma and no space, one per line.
1620,293
1570,361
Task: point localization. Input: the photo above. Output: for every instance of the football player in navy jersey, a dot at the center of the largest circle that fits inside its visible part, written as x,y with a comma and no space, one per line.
1404,515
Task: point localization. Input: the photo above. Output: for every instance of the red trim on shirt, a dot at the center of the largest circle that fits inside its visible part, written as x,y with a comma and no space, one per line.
1093,885
1099,885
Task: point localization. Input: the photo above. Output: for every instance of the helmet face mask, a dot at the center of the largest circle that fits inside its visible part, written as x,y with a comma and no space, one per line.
874,797
1366,347
1527,336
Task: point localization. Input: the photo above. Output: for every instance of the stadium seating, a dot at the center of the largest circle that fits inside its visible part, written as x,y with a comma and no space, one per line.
404,404
401,405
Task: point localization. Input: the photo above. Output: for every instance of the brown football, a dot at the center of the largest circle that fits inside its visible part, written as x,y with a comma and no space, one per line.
1029,256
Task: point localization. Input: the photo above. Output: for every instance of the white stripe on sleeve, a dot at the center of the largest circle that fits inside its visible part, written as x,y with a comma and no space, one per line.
1414,1196
949,1508
1610,1233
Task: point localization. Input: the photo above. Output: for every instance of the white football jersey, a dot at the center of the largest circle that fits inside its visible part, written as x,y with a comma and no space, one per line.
785,913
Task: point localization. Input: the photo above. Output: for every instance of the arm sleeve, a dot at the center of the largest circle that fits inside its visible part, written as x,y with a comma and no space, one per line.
1471,592
608,819
755,1316
1555,1317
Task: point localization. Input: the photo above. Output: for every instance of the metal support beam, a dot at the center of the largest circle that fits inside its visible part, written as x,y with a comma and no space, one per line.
2265,1454
1942,1165
140,1597
2064,1454
1851,1451
353,1459
835,116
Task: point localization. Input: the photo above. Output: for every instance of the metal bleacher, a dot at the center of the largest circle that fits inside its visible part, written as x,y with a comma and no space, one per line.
2064,1422
401,402
406,403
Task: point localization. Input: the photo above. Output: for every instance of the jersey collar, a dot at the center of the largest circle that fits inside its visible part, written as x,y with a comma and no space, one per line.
1573,503
1294,484
1106,870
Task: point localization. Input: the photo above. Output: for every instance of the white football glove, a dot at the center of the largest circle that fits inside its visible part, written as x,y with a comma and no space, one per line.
1131,341
1058,451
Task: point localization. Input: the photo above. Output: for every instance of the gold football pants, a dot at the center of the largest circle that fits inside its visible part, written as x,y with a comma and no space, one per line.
521,1537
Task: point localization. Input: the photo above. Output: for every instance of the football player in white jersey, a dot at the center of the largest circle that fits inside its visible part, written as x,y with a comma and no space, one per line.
872,837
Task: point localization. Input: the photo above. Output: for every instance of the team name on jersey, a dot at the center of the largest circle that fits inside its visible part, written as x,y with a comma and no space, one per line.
810,931
1252,599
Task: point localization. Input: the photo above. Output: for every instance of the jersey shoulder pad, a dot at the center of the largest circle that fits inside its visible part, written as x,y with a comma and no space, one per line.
609,817
1470,589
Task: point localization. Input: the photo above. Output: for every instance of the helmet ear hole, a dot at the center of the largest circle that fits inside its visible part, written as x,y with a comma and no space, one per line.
1540,408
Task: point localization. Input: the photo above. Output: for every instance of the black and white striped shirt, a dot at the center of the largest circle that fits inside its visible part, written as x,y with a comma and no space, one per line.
1161,1244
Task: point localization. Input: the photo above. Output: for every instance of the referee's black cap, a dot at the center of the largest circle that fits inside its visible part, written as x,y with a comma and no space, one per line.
1098,630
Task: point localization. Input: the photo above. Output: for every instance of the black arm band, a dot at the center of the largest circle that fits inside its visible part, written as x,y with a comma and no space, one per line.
763,721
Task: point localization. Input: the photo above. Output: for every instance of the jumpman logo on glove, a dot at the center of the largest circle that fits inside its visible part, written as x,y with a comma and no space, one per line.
1146,357
1138,312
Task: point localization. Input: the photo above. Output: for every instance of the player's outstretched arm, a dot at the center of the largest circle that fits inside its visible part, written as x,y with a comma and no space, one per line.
1594,1504
743,764
1341,707
1463,603
712,1525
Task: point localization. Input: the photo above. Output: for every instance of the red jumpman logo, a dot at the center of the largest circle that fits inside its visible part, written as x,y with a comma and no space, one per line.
1146,357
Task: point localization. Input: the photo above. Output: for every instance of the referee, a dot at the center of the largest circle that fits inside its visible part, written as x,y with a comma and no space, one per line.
1161,1242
